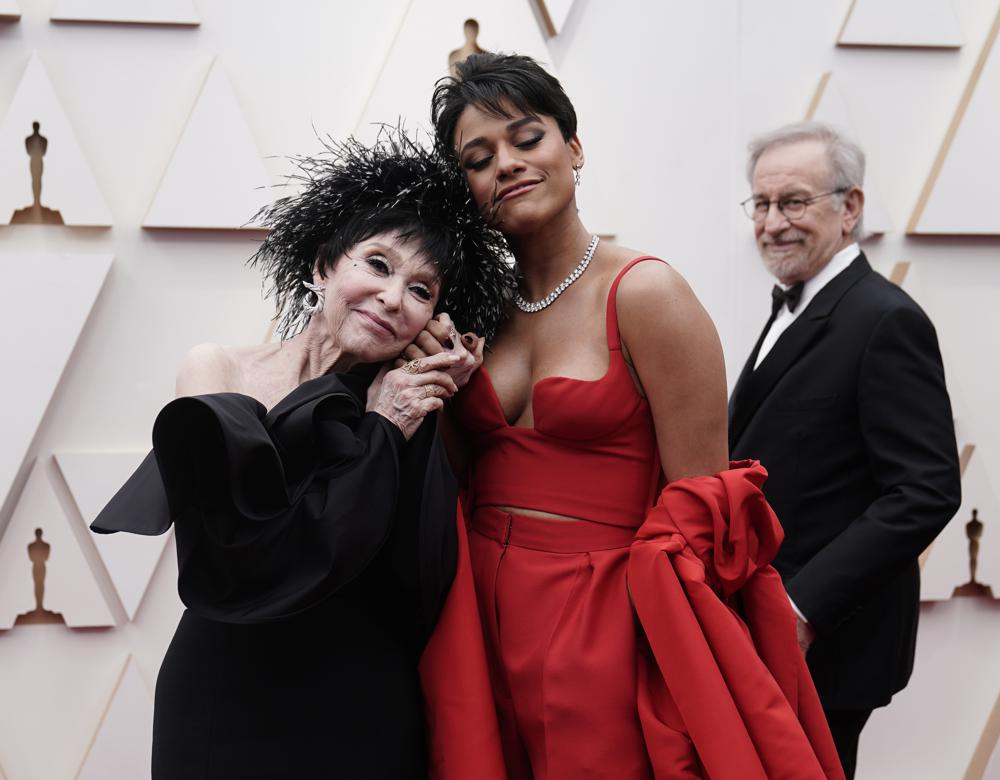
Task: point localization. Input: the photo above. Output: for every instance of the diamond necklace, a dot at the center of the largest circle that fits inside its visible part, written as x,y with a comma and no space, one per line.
548,300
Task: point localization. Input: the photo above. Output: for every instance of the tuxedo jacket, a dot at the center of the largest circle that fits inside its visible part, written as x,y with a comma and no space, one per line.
850,415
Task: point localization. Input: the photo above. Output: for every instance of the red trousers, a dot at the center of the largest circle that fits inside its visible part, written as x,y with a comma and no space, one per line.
713,684
566,660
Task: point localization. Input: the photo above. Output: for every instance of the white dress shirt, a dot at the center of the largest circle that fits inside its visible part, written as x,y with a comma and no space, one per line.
837,263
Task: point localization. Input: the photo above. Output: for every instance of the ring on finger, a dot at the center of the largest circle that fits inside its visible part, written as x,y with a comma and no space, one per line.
429,391
412,367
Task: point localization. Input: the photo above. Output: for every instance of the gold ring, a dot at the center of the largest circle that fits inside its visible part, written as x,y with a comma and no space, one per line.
412,367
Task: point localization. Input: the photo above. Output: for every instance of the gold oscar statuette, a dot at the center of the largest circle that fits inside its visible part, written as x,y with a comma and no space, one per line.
974,532
38,553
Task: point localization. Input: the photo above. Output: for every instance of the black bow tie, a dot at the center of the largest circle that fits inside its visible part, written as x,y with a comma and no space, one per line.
789,297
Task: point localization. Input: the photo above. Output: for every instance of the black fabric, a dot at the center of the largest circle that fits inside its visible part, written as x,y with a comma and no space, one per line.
845,726
850,415
789,296
315,550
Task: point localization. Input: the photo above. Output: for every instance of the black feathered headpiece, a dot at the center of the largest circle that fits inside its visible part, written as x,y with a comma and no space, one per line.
351,192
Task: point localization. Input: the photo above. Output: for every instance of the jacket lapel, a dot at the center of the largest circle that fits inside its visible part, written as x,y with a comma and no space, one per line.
747,371
754,386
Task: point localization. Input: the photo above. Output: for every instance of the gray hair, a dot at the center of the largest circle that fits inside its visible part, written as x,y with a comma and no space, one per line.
847,161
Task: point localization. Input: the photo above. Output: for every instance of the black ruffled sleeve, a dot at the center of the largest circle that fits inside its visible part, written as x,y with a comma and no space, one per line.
273,511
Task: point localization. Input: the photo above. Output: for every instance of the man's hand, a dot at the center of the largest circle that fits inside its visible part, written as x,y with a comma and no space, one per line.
805,633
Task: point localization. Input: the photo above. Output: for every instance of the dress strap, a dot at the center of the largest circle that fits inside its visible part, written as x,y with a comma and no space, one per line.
614,337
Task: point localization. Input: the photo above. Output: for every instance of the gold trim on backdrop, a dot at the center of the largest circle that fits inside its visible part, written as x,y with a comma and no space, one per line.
843,25
818,94
543,11
104,715
898,274
956,120
986,745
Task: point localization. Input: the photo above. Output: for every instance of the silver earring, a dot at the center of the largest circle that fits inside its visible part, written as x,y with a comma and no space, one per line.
576,174
316,291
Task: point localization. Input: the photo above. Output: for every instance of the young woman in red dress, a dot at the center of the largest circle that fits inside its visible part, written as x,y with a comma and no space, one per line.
634,627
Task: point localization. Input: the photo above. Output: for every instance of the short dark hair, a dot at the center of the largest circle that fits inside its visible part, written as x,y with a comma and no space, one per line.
493,82
351,192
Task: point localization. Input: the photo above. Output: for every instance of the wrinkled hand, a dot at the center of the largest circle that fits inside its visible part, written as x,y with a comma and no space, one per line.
407,394
440,336
805,633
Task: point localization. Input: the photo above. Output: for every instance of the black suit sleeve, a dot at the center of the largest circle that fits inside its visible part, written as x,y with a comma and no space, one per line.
909,437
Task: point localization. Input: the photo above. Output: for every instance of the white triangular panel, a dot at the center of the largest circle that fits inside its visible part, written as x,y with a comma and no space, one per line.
56,304
93,478
948,564
554,14
9,12
178,12
963,191
123,744
830,107
216,178
428,32
925,23
70,588
68,183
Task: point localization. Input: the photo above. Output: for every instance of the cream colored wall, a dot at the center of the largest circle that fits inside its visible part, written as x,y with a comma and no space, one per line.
667,93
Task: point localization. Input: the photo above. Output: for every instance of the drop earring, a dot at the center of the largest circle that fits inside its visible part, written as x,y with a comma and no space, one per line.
316,291
576,174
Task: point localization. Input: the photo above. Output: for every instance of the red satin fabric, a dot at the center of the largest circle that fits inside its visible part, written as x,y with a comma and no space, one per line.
723,633
590,453
712,684
463,738
719,687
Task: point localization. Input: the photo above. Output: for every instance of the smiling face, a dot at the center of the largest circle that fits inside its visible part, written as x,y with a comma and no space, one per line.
519,168
379,295
796,250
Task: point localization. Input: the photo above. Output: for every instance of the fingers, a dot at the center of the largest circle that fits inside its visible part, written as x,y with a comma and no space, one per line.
478,349
429,343
442,360
412,352
437,336
432,405
436,379
443,329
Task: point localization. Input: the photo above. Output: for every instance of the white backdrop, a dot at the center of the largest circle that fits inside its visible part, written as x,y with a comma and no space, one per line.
667,93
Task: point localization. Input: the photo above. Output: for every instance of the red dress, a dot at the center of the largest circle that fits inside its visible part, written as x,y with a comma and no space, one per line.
651,638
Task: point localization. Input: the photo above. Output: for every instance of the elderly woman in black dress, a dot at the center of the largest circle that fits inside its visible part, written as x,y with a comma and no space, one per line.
313,506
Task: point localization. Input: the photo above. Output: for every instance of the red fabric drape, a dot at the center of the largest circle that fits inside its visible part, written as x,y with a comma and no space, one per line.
720,628
723,632
463,736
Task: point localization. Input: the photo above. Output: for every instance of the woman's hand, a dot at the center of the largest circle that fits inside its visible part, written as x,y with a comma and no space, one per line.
407,394
439,336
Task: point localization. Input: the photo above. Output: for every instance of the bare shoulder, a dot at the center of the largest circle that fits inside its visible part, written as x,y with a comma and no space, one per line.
655,295
206,368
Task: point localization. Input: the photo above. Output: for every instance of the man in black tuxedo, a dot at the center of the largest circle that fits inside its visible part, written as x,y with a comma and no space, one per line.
843,400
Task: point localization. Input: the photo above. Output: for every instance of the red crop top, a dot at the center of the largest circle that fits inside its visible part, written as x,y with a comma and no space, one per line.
592,450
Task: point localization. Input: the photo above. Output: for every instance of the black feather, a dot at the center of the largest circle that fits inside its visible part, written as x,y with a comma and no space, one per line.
349,190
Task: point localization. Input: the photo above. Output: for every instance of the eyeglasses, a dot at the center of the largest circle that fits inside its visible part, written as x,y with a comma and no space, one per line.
757,209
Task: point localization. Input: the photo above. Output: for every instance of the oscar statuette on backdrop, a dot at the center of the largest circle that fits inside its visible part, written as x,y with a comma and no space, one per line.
974,533
38,552
36,145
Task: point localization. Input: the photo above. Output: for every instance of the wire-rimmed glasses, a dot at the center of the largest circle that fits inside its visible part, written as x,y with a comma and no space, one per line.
757,209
